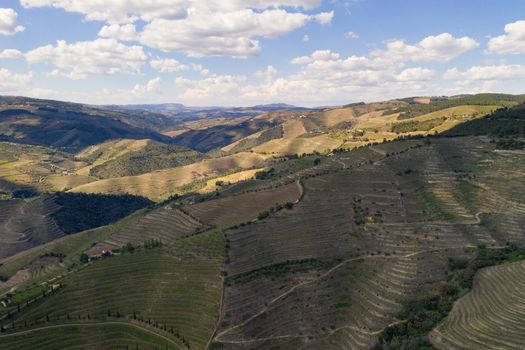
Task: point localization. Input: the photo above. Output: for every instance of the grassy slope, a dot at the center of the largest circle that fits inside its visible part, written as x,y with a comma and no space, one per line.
357,126
293,128
487,99
299,145
376,127
104,152
220,135
212,185
160,184
133,157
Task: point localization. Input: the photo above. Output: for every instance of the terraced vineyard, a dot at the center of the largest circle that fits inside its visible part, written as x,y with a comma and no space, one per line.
54,259
110,335
166,291
384,227
234,210
297,229
166,224
491,316
27,223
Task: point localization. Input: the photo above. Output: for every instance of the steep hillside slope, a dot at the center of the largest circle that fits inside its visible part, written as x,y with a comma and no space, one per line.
133,157
389,227
365,245
162,291
27,223
205,140
491,316
138,118
503,122
435,104
355,125
65,125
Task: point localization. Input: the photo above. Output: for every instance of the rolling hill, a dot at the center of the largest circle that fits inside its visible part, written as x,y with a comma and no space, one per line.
133,157
66,125
389,225
204,140
352,126
161,184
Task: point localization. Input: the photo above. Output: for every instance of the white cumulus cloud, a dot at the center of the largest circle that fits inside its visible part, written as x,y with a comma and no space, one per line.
151,86
491,72
12,82
83,58
440,48
8,25
268,74
222,33
11,53
322,76
125,32
513,42
212,88
301,60
195,27
199,68
416,74
325,55
118,11
168,65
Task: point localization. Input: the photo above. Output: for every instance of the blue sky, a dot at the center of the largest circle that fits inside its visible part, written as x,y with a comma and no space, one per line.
245,52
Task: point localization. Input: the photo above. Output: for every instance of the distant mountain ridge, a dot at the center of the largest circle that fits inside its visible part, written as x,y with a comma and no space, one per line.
73,126
182,111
